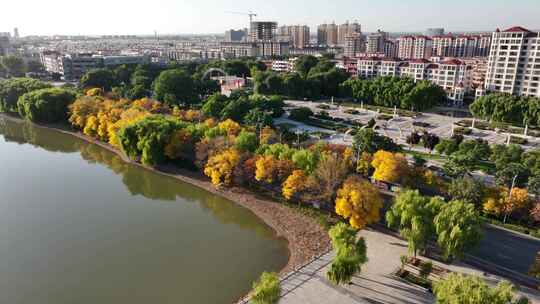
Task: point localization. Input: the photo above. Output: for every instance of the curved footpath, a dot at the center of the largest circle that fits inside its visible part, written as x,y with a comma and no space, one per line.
306,238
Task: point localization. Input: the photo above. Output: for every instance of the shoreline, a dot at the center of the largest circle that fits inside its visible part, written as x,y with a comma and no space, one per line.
305,237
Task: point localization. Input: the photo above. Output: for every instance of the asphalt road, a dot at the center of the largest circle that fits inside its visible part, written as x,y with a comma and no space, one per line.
507,249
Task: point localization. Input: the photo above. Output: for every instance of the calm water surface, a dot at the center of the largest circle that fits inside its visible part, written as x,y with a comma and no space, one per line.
80,226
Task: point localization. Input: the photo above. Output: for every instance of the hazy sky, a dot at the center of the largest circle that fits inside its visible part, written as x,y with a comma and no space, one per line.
210,16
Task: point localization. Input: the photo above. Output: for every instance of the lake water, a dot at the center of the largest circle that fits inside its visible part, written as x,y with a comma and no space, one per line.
78,225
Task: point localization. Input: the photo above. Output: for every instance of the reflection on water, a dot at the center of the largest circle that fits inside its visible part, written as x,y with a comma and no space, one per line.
207,242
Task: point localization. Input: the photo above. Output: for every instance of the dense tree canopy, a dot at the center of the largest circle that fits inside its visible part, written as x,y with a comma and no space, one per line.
503,107
458,228
98,78
146,139
394,91
174,87
413,214
48,105
458,288
13,88
367,140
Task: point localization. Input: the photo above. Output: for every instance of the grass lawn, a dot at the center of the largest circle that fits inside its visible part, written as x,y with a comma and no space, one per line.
434,156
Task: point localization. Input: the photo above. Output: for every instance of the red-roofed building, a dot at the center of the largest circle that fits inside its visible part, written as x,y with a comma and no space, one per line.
453,75
414,47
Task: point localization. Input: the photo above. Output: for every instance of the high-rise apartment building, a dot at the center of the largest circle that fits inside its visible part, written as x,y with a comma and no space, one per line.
514,62
16,33
414,47
390,49
461,46
345,29
376,42
298,35
354,44
262,31
327,34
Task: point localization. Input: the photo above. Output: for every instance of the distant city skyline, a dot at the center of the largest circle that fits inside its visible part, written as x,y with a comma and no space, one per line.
63,17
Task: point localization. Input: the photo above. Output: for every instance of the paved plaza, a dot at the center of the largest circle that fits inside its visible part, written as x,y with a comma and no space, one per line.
375,284
398,128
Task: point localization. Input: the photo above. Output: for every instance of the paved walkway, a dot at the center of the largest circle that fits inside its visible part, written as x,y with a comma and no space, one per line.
374,284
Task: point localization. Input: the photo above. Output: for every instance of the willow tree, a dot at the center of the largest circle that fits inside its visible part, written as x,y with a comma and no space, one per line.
413,215
351,254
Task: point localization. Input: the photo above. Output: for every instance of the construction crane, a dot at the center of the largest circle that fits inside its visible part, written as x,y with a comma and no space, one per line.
250,14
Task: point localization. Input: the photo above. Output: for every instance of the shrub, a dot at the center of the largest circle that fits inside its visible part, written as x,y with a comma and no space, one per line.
266,290
300,114
425,269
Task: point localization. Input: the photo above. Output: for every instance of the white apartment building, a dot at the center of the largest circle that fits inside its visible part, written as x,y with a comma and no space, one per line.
461,46
74,66
283,66
414,47
453,75
514,62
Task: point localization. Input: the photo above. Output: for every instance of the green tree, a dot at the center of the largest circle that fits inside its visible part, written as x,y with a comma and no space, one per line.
413,214
266,290
478,149
98,78
146,139
13,88
367,140
459,165
304,64
300,114
505,176
458,228
246,141
14,65
466,189
351,254
256,117
175,87
48,105
458,288
214,105
236,110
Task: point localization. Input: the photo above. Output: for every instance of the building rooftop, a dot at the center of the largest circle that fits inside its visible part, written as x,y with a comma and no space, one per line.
517,29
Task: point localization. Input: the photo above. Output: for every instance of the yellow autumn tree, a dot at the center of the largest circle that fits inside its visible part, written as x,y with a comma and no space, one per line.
230,127
269,169
92,125
94,92
389,167
264,169
220,167
296,182
82,108
500,201
363,165
359,202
